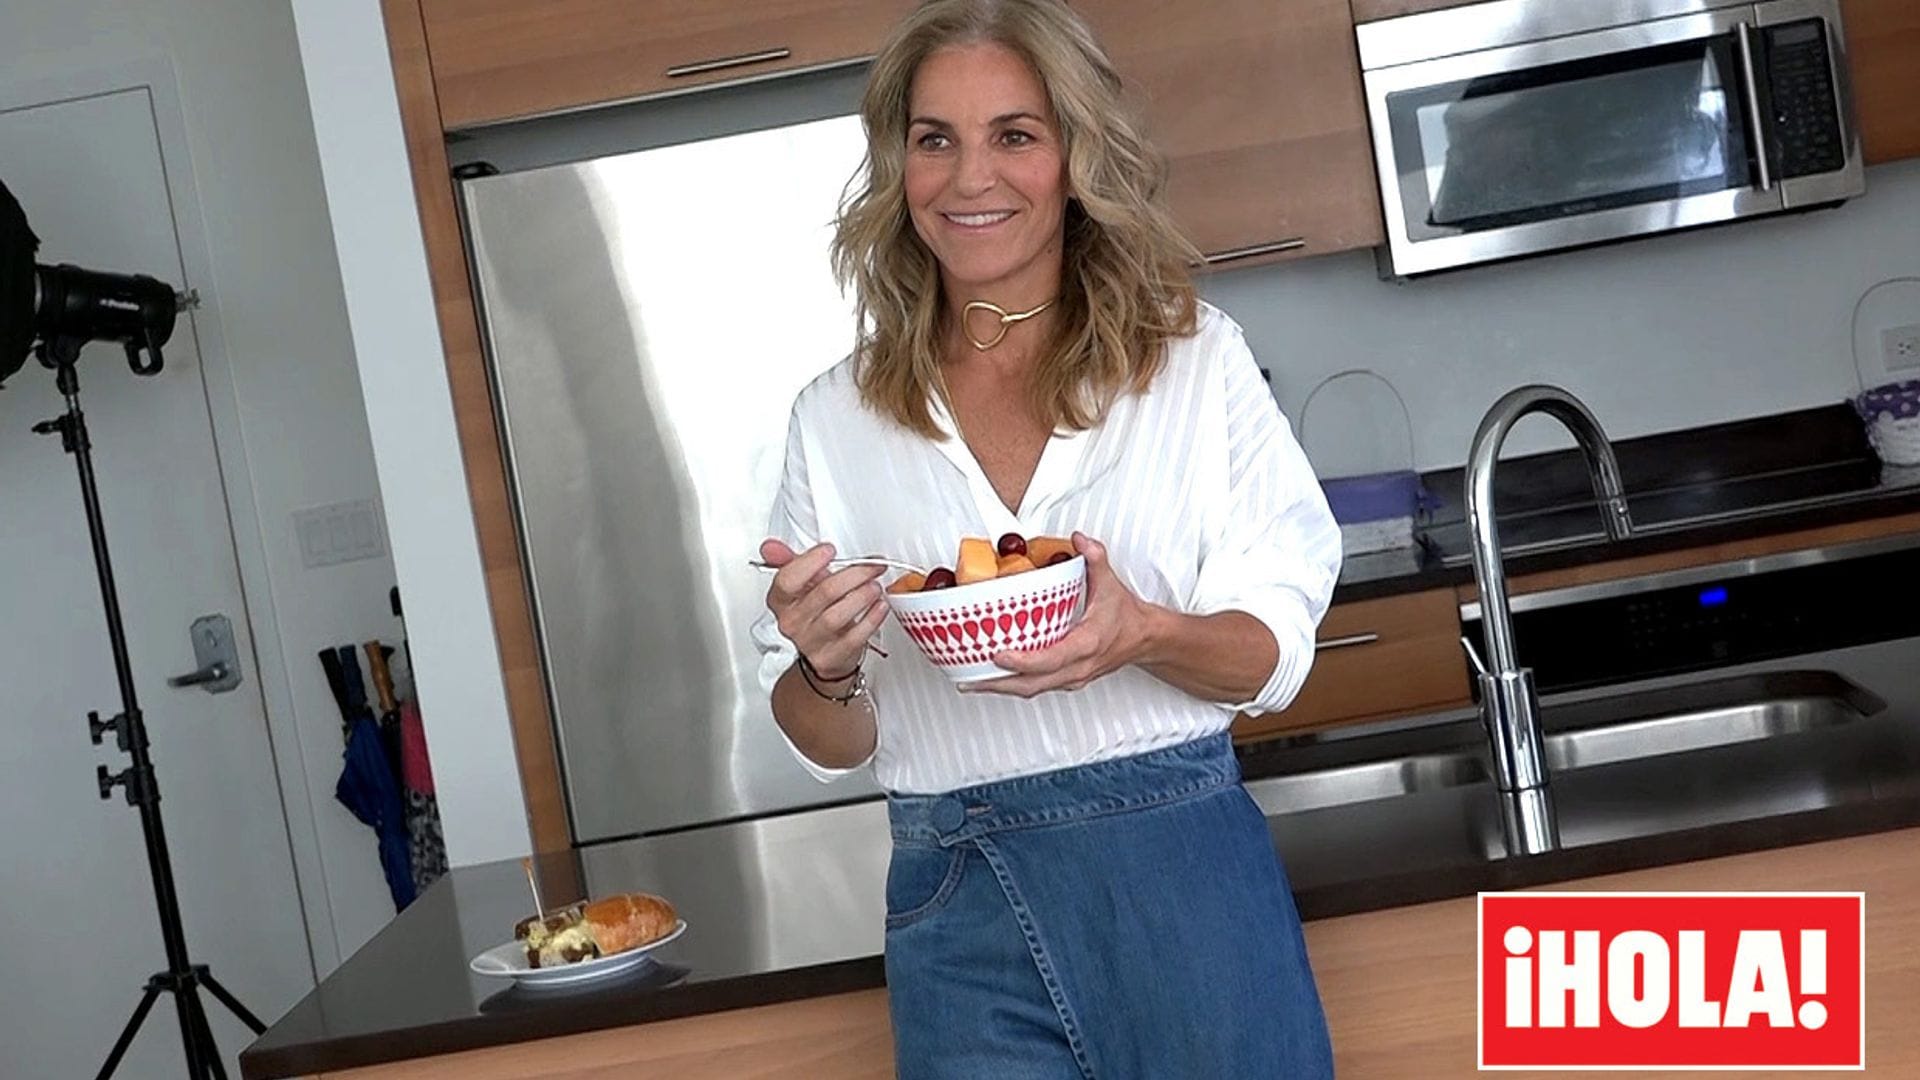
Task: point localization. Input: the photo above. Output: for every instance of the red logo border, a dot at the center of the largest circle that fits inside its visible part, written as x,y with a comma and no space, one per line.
1480,967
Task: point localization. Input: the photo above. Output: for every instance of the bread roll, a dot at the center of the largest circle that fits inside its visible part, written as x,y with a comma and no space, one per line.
628,921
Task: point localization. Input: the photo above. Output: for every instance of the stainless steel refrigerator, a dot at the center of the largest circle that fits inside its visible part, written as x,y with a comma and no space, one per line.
648,318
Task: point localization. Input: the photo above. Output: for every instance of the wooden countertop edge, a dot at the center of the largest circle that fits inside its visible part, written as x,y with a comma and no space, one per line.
1885,515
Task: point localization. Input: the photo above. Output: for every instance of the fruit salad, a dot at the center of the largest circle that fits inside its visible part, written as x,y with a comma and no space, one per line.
984,560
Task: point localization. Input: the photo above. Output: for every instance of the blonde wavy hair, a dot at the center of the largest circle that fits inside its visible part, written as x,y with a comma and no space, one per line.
1126,286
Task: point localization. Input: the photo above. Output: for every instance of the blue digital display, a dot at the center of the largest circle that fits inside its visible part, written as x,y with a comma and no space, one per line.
1713,597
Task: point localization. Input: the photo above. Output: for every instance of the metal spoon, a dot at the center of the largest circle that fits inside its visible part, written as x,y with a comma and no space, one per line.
842,564
838,564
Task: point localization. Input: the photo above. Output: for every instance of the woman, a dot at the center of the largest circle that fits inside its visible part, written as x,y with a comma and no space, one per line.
1080,887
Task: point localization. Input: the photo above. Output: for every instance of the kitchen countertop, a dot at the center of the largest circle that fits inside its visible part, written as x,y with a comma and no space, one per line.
809,923
1684,489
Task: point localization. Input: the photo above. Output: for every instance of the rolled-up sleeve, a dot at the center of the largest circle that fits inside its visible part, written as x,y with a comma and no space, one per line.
794,521
1273,549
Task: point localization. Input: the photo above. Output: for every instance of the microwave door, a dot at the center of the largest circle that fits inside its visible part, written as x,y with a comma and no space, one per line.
1567,142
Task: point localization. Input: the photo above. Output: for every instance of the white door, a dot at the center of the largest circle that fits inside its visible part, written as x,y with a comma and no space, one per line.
79,933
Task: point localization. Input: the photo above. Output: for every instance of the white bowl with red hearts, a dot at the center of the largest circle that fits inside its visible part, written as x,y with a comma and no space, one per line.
960,629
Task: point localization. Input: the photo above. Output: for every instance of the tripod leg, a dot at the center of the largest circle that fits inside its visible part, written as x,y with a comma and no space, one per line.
210,1049
188,1006
213,986
127,1033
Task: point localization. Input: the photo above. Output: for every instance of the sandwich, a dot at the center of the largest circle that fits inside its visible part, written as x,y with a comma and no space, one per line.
588,930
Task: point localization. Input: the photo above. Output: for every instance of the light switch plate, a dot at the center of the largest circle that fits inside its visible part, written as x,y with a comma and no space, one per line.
341,533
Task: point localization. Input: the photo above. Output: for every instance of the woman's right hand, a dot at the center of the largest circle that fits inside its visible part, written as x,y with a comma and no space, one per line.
829,617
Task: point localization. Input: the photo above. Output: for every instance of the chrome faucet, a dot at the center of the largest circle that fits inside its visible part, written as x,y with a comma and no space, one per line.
1509,705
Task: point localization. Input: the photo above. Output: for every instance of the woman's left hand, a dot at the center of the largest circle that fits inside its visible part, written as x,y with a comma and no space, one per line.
1112,634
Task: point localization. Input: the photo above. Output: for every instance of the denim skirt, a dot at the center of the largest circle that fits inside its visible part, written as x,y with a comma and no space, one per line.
1126,920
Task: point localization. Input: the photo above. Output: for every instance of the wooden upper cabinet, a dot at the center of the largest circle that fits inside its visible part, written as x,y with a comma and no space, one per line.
1257,105
1883,42
1374,10
501,59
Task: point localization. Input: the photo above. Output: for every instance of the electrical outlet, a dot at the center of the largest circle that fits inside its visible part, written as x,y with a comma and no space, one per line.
1901,346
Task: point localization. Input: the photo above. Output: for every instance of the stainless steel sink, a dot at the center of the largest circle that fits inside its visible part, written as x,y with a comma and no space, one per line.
1343,769
1697,730
1341,785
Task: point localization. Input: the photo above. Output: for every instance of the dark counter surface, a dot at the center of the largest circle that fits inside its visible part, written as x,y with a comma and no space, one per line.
1690,488
790,907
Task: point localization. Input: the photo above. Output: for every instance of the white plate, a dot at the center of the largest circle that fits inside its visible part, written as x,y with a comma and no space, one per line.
510,961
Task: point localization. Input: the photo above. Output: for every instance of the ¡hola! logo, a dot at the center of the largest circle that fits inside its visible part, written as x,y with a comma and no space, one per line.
1672,980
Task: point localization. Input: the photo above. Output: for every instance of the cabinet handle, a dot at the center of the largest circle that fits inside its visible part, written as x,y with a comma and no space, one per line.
1345,642
701,67
1248,252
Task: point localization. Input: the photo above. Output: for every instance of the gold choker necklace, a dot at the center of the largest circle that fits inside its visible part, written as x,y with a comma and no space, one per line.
1007,319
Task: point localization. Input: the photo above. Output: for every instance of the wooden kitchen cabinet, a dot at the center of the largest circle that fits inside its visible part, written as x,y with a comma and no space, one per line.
1401,655
1256,102
1257,105
501,59
1883,41
1399,985
1377,658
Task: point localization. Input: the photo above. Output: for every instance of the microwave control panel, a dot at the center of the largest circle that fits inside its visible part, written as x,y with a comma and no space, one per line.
1804,115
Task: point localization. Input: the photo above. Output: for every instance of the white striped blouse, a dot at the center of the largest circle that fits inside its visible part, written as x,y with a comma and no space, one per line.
1197,487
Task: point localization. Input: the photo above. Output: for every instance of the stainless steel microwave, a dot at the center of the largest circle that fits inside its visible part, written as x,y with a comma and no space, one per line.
1515,127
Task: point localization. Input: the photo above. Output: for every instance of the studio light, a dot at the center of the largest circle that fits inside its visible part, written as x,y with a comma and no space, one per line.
60,308
51,312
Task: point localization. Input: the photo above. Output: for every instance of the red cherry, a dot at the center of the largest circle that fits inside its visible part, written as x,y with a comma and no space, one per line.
1013,544
1058,558
940,578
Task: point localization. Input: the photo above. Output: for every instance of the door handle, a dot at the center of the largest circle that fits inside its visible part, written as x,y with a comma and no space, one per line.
215,653
212,673
1756,123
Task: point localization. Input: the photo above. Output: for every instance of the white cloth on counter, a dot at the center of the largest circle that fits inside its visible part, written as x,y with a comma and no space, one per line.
1367,537
1197,488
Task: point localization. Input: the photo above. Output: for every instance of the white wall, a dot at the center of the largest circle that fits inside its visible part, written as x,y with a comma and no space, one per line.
287,407
376,228
1664,333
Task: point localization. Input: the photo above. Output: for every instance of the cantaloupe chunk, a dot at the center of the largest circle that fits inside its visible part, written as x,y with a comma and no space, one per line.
977,562
1042,549
1014,564
909,582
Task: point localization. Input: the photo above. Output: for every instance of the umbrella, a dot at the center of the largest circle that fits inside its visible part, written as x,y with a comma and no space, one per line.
416,777
423,807
367,784
377,655
406,744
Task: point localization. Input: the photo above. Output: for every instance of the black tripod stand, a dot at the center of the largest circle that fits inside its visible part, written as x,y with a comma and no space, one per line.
182,978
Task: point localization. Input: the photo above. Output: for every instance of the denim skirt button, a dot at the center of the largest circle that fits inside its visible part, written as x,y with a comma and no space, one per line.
949,815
